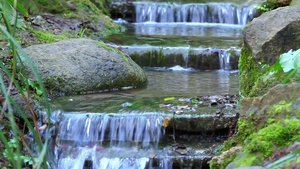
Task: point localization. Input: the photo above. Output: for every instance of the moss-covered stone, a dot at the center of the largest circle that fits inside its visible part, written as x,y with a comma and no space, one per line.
221,161
266,122
260,145
83,66
280,134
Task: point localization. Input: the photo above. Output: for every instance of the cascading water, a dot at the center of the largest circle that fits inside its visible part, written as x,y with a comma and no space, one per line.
207,12
101,140
117,129
185,29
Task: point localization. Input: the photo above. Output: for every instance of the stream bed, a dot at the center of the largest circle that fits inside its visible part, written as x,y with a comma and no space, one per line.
189,52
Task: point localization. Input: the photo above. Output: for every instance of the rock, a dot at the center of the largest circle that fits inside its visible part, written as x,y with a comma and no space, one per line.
83,65
221,159
273,34
287,92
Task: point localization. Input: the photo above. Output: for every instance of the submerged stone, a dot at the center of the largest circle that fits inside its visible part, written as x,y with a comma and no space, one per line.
83,65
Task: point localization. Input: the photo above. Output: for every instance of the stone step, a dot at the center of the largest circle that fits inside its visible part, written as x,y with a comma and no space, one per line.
115,157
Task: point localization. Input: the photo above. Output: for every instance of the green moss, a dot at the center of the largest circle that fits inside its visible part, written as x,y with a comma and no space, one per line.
248,71
280,135
281,107
247,160
87,10
258,120
54,84
46,37
260,145
256,79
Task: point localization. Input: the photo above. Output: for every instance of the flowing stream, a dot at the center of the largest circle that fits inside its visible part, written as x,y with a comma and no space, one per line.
189,52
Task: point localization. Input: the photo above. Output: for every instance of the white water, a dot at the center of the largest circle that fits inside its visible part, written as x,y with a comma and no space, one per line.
118,129
185,52
188,29
195,12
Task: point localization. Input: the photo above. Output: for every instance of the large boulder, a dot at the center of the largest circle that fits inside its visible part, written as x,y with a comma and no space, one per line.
273,33
83,65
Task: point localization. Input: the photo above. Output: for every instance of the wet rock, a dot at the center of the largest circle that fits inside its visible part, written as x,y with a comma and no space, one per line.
38,20
123,10
273,33
83,65
182,151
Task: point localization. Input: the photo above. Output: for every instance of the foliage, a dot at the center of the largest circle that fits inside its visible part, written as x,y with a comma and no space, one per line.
9,72
13,146
290,63
81,32
9,15
257,79
264,7
270,5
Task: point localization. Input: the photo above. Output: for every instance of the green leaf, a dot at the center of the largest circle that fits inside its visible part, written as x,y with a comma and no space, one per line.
290,60
277,66
38,91
32,83
20,8
124,57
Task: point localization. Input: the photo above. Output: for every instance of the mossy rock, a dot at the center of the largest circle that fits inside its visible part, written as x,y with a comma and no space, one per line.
265,39
82,65
260,145
266,122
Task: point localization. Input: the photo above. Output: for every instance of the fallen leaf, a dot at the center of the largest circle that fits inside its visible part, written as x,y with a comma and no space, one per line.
184,107
166,121
169,98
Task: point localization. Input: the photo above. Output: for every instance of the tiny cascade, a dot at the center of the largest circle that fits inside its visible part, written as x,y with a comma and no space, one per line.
91,158
226,13
91,129
111,158
224,58
184,52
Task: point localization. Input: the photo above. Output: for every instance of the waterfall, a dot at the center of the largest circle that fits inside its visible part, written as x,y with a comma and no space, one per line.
227,13
92,128
224,58
186,54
